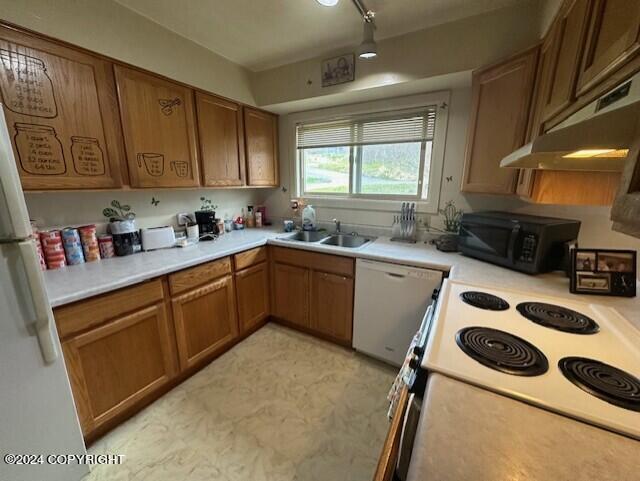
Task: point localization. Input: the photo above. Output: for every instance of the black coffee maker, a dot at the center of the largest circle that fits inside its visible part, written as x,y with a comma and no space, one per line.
207,225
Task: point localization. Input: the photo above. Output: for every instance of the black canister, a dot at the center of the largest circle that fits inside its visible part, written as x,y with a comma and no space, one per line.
206,220
126,237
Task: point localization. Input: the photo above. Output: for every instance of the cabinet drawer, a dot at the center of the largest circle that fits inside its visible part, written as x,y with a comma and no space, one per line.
251,257
89,313
313,260
195,276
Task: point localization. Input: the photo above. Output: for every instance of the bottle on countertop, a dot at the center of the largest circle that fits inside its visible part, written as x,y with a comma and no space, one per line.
258,219
250,220
309,218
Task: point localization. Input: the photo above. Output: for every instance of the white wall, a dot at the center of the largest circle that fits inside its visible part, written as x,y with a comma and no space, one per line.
451,47
107,27
71,208
596,226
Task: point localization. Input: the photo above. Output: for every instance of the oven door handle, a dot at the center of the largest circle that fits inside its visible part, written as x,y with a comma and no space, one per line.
512,243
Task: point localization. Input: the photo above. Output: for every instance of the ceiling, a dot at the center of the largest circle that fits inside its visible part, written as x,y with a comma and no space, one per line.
261,34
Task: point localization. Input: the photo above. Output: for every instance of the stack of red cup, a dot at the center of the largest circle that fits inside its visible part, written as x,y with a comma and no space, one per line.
89,242
53,249
36,236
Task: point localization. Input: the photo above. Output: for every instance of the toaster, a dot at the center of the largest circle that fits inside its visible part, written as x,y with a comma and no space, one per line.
158,238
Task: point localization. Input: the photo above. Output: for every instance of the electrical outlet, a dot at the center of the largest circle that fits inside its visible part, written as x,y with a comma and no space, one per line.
184,218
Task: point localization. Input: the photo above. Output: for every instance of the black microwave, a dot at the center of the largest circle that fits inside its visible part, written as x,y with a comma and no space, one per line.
522,242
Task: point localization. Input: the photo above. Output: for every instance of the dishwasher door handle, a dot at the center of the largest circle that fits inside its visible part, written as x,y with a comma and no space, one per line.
393,274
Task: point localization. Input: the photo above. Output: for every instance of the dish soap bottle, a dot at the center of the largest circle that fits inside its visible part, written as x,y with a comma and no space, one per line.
309,218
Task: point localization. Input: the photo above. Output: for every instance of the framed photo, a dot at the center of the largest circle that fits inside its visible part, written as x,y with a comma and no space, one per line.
603,272
338,70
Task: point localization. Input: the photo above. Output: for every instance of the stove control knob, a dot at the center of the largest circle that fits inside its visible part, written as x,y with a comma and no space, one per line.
414,362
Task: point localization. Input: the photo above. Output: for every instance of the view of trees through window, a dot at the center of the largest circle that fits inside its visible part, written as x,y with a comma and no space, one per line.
379,169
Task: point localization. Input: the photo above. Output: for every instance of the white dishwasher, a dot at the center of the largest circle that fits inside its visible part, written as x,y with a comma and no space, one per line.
390,301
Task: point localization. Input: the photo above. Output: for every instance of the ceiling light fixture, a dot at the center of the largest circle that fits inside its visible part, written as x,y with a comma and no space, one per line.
368,48
328,3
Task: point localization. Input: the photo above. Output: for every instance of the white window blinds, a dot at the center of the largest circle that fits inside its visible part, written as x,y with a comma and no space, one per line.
413,127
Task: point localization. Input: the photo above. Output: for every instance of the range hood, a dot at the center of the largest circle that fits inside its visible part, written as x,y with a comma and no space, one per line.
595,138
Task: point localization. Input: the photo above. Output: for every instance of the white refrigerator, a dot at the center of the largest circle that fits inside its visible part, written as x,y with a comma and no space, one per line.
37,414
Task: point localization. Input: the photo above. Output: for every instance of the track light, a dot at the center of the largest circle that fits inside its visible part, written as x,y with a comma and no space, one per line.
368,48
328,3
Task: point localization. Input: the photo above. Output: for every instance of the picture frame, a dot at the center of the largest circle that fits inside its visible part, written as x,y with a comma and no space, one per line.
338,70
604,272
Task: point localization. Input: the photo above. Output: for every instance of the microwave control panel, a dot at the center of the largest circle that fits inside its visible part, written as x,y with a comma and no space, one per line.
528,249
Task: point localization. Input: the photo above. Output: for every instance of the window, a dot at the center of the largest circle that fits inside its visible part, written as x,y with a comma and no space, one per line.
377,156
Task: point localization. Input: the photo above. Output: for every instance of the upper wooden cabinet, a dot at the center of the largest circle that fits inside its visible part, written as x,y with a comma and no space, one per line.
501,97
625,212
221,134
158,121
613,39
62,114
561,53
261,143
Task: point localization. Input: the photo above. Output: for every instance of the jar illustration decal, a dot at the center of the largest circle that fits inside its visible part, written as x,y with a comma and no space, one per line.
39,150
88,158
180,167
152,162
26,86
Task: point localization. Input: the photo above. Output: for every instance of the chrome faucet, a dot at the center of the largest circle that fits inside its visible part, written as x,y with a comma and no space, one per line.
337,222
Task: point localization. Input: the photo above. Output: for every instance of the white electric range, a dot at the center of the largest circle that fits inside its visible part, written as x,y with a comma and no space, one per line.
575,358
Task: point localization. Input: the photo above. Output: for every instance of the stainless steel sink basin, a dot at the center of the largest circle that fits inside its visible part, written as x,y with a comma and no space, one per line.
308,236
346,240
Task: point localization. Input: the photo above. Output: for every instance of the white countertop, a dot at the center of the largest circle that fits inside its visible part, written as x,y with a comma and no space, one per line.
469,434
74,283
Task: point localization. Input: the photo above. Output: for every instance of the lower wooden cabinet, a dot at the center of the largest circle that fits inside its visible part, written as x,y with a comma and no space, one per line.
332,305
205,320
290,294
314,291
114,366
252,293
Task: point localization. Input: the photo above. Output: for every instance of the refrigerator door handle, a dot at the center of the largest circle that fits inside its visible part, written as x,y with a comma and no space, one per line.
44,316
11,187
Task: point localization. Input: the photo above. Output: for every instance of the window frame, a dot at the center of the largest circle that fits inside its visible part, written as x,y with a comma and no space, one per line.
382,108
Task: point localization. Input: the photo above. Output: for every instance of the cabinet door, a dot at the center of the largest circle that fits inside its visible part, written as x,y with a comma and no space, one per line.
501,97
625,212
261,141
220,130
332,305
613,39
159,130
61,113
252,289
291,294
567,36
116,365
205,320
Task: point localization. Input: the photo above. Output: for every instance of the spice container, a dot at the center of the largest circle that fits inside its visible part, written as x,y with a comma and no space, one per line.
105,243
72,246
89,242
52,248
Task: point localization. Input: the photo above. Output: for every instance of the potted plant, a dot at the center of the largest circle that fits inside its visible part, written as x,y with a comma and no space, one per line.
448,242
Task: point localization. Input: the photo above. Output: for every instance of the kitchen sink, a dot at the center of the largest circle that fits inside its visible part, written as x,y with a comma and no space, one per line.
346,240
308,236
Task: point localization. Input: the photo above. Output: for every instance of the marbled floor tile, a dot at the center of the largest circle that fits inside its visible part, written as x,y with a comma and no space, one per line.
279,406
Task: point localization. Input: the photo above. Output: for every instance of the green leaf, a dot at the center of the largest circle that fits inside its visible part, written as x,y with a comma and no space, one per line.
125,208
109,213
115,204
